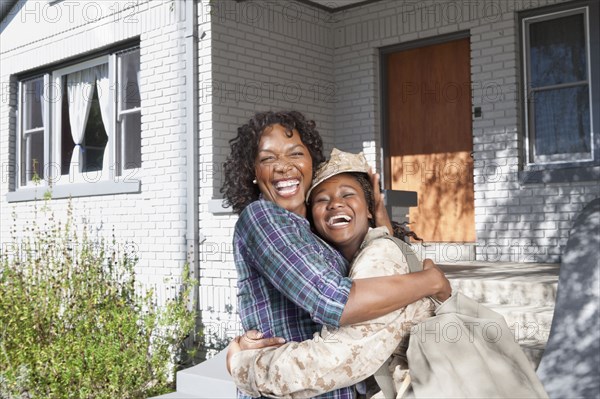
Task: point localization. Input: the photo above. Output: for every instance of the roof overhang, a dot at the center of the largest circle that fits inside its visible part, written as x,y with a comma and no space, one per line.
327,5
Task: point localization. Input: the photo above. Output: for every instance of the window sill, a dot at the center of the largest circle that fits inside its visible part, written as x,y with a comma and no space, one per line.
560,175
75,190
215,206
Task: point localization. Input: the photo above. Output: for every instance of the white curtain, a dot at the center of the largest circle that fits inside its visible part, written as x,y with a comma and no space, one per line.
80,89
104,99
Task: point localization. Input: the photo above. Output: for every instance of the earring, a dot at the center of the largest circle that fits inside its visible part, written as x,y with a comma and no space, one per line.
254,181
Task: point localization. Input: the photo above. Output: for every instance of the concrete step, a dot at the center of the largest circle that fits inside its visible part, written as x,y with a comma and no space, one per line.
208,379
505,282
175,395
445,252
524,293
528,323
530,326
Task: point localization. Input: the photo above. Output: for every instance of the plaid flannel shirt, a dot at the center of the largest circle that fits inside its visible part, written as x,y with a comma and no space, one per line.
290,282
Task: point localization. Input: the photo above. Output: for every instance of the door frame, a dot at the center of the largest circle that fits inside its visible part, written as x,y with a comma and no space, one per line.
384,53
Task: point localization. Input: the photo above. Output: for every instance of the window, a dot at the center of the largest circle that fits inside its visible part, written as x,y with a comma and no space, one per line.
95,112
32,125
559,114
129,116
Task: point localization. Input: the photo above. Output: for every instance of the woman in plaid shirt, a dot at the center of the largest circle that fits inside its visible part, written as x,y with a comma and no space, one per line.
290,282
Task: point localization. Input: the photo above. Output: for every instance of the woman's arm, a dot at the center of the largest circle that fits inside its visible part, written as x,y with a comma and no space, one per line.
293,265
334,358
372,297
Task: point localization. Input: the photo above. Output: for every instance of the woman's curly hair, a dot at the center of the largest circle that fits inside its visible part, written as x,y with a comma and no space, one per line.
238,189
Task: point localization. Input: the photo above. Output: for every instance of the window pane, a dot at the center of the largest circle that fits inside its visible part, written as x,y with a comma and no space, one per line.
131,125
95,138
558,51
32,143
32,156
129,91
37,155
562,121
33,92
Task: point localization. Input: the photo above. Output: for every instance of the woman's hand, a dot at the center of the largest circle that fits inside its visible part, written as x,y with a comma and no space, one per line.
442,288
252,339
381,216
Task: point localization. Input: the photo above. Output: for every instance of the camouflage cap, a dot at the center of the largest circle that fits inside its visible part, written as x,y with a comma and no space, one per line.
339,162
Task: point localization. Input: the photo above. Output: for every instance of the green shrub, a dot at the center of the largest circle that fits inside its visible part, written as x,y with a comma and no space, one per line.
74,322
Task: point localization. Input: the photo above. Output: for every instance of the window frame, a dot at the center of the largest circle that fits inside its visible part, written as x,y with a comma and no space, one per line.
79,176
530,131
21,114
119,112
111,179
572,169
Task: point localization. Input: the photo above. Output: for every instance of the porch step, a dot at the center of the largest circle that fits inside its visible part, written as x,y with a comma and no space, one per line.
528,323
524,293
175,395
446,252
505,283
208,379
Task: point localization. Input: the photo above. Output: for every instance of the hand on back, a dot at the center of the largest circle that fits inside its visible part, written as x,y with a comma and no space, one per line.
252,339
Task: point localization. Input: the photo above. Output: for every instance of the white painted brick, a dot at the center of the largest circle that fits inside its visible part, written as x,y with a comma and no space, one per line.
235,55
129,215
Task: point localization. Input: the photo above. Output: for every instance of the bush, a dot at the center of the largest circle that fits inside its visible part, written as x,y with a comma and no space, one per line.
74,322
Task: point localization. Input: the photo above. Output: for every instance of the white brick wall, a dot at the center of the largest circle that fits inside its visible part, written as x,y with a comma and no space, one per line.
514,222
153,220
264,56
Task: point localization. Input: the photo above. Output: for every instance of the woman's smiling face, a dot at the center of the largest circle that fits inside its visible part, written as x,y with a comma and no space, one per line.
283,167
340,213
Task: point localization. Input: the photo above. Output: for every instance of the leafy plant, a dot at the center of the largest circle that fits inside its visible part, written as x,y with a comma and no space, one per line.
75,323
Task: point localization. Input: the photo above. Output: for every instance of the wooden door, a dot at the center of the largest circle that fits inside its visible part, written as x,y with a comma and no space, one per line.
430,138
